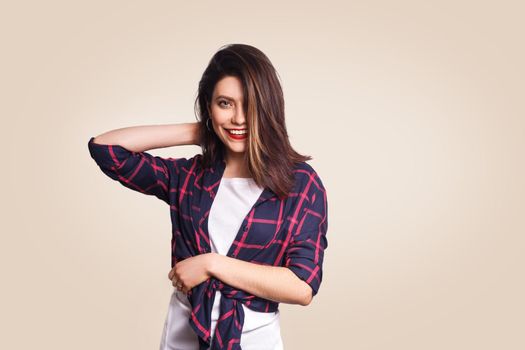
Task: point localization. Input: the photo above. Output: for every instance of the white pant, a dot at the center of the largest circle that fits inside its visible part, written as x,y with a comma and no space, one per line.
178,334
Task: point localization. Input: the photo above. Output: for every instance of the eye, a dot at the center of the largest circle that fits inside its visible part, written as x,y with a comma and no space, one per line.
222,102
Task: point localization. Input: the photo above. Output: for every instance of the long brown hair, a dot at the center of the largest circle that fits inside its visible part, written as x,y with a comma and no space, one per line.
270,157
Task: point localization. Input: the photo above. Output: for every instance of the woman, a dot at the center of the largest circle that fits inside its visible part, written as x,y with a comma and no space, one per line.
249,215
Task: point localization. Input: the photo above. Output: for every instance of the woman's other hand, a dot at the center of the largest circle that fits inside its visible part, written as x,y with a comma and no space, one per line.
191,271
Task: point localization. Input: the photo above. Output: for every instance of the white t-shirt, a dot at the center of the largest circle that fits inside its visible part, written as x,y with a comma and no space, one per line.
261,330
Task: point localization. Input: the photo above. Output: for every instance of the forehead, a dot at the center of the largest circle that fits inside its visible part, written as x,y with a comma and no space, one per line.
230,88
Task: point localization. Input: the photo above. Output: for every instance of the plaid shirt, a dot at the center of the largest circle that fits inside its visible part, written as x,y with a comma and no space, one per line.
288,232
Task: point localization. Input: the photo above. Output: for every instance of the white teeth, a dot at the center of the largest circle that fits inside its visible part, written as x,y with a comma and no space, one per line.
237,132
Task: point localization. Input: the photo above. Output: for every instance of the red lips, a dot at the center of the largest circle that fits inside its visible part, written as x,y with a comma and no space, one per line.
237,137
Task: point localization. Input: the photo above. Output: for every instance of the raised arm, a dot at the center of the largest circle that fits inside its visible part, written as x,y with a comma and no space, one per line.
146,137
121,155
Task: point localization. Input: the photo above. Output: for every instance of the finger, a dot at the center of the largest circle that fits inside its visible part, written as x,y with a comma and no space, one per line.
183,288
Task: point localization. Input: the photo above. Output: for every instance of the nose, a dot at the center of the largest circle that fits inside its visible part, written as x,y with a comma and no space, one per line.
239,117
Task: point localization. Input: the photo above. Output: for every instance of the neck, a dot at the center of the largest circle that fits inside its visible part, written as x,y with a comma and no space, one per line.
236,165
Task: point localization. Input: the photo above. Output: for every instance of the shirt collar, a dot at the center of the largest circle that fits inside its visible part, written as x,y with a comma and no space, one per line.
220,166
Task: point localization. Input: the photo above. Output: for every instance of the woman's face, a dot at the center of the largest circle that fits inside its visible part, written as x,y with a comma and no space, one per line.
227,114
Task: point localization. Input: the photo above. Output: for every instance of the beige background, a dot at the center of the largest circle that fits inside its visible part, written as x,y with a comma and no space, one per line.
412,110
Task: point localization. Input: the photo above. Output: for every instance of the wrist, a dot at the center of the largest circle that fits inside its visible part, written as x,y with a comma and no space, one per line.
196,133
211,266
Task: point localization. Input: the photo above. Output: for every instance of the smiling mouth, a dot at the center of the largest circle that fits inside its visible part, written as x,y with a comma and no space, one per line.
237,131
237,134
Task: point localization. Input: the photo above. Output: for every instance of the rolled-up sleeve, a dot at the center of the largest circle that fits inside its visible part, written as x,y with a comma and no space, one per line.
305,252
139,171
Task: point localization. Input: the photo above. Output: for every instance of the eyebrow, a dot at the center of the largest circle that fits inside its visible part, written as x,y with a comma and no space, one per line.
226,97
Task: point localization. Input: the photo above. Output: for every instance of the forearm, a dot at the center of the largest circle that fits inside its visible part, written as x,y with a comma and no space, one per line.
145,137
275,283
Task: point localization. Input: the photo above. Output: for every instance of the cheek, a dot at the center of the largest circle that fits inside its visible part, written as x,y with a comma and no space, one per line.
220,116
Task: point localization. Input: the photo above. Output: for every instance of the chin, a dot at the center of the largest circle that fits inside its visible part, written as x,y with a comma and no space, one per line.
235,147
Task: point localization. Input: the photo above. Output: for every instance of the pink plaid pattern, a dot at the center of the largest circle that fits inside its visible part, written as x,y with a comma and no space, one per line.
288,232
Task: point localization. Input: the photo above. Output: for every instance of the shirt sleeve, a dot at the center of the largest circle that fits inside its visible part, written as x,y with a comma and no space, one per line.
305,252
139,171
